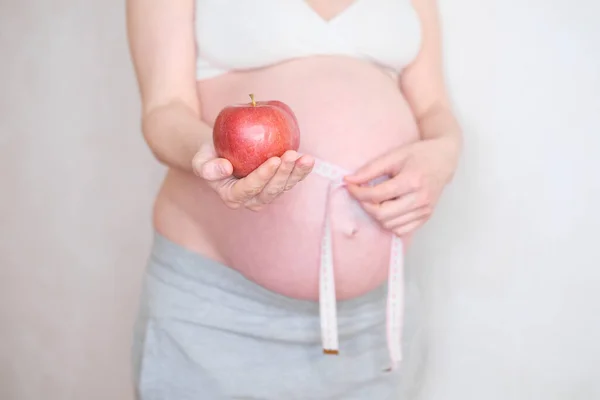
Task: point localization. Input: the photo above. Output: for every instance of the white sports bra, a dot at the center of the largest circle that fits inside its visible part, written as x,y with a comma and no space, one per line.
242,34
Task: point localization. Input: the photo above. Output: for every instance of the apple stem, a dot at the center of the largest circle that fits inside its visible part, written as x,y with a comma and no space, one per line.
252,99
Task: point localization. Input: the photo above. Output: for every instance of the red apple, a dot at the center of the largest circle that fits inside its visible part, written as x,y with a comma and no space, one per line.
249,134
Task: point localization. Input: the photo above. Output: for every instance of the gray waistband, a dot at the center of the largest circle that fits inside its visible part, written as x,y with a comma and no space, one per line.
170,260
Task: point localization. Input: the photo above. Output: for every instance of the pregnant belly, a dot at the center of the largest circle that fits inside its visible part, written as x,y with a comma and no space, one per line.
349,113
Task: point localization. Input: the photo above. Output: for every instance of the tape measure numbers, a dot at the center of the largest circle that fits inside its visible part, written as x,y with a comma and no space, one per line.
327,297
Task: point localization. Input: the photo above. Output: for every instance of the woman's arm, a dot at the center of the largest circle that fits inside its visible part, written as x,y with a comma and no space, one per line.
162,46
419,171
424,86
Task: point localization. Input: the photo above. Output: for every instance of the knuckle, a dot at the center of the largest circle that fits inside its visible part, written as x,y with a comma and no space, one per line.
253,191
198,166
255,207
225,196
379,213
232,205
377,195
394,186
390,192
425,198
266,200
416,182
230,199
273,191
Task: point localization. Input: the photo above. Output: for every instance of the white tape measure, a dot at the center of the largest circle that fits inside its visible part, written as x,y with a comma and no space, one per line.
327,297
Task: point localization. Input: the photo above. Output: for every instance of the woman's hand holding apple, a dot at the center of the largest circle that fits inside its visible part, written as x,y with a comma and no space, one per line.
254,156
257,189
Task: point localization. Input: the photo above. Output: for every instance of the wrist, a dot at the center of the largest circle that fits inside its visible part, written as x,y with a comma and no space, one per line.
450,149
175,134
441,126
452,143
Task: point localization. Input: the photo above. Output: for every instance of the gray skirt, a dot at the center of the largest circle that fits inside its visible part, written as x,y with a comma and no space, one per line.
205,331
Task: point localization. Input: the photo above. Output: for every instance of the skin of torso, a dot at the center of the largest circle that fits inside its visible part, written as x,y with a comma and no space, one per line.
349,111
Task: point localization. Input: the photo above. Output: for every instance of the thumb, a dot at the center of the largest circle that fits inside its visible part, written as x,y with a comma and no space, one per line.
207,166
386,165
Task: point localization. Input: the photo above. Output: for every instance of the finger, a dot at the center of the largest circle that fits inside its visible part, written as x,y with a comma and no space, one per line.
404,219
277,184
399,185
388,164
303,166
215,170
393,208
254,204
409,227
205,154
250,186
206,165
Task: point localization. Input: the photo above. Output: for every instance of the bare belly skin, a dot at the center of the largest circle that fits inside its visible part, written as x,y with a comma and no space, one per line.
349,112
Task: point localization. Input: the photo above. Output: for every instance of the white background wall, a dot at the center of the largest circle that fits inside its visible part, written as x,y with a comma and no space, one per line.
509,267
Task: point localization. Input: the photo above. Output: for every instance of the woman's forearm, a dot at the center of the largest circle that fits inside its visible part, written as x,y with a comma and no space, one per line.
175,133
440,123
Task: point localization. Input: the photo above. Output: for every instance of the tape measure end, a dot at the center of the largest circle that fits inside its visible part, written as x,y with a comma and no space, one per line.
331,352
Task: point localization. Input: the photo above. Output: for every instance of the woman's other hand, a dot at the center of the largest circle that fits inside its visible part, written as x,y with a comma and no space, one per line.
418,173
259,188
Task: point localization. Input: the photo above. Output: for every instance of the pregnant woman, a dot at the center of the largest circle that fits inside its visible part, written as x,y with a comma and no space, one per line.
275,285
